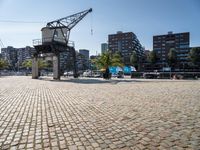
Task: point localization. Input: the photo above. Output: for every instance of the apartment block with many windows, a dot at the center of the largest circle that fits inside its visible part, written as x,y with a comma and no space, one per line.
179,41
125,44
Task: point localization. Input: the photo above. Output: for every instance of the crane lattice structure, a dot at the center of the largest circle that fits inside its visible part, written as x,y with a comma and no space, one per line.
67,23
1,44
55,39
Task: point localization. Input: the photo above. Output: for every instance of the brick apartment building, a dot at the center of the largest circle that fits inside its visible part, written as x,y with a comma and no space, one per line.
179,41
162,45
125,44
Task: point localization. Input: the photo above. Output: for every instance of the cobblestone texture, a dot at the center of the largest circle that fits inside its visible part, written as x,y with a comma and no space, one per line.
97,114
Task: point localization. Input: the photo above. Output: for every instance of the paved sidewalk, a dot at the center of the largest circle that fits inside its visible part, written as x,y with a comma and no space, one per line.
98,114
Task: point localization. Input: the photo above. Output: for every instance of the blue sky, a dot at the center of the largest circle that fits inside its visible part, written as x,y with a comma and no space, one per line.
143,17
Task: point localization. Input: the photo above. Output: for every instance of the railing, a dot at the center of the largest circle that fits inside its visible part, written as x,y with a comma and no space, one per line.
50,40
37,42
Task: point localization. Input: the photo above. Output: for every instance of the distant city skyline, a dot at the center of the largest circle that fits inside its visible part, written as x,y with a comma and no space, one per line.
144,18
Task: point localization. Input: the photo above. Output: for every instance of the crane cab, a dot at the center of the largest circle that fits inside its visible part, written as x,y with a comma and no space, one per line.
54,35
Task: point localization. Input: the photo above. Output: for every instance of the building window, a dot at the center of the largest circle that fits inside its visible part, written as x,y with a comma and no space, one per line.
184,46
169,42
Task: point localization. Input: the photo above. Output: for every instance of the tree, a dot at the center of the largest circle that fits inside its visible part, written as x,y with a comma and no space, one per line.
3,64
27,64
152,58
93,64
107,60
42,64
172,57
194,55
49,64
134,59
117,60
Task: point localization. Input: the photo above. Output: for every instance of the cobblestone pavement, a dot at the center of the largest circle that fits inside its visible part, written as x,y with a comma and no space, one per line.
98,114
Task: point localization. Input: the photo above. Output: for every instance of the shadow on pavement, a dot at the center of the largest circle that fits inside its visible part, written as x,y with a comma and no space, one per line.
90,80
111,81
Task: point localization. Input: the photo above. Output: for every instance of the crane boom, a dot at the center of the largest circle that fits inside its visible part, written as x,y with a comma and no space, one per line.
64,25
70,21
1,44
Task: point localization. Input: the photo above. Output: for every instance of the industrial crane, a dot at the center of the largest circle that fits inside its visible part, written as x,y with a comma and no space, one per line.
55,39
66,24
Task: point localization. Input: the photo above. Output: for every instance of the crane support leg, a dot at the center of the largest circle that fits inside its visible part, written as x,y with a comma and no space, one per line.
75,71
35,68
56,67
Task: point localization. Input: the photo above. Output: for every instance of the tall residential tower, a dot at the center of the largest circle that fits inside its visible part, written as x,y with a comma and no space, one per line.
104,48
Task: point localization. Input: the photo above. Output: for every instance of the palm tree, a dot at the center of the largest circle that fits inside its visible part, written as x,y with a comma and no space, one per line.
42,64
117,60
27,64
107,60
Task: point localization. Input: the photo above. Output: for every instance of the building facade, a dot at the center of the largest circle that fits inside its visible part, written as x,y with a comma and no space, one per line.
10,55
24,54
85,53
16,56
83,59
178,41
104,48
125,44
67,60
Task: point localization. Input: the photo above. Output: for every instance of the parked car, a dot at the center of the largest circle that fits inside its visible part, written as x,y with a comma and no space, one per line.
120,74
151,75
87,73
97,74
69,73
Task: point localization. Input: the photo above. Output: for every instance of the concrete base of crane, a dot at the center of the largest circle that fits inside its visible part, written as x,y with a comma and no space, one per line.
35,73
56,67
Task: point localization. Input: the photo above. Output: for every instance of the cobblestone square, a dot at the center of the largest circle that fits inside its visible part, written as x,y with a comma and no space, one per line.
98,114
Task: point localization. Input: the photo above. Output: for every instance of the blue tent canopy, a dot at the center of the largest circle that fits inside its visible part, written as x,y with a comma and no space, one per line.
125,69
128,69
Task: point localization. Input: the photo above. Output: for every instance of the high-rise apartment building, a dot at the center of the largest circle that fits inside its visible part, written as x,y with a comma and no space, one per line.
67,60
24,54
10,55
125,44
16,56
179,41
104,48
